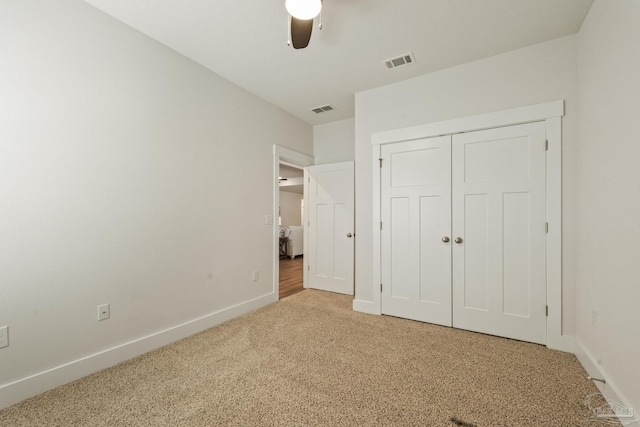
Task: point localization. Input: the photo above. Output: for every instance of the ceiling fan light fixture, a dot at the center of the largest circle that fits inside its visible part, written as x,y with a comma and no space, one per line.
303,9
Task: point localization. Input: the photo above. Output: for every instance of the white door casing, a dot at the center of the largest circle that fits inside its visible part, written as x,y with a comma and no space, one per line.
330,211
499,219
416,225
551,114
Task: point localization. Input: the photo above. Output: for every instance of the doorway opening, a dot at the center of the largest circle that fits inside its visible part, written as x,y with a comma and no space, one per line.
291,229
298,162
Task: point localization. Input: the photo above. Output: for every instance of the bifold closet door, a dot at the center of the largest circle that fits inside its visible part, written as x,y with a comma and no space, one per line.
416,225
499,232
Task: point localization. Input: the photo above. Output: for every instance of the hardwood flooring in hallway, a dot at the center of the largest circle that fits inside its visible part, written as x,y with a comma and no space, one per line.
291,276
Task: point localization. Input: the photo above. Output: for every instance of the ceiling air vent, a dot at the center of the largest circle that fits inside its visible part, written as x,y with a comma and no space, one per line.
322,109
405,59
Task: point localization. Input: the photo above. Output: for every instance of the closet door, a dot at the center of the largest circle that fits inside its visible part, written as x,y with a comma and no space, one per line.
416,224
499,232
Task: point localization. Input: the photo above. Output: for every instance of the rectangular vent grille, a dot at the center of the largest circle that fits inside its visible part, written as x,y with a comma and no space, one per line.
405,59
322,109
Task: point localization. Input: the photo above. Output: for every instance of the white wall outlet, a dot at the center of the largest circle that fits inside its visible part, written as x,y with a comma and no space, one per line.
4,336
256,275
594,318
268,219
103,312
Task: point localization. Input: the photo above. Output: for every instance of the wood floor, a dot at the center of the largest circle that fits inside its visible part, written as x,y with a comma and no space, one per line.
290,276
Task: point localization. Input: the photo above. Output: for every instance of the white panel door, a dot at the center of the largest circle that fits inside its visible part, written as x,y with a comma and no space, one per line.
416,224
499,232
331,227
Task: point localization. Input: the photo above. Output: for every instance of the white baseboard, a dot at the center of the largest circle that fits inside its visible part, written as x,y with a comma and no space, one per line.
609,389
33,385
365,306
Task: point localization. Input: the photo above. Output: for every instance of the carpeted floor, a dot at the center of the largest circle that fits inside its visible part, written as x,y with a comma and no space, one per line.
311,360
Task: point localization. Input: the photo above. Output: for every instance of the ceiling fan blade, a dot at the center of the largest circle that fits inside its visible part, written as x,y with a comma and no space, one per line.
301,32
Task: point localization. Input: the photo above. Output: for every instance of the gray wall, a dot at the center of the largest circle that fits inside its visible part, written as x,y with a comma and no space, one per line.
334,142
115,158
608,215
290,211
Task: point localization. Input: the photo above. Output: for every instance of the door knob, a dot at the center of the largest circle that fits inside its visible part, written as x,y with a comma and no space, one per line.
458,240
445,239
349,234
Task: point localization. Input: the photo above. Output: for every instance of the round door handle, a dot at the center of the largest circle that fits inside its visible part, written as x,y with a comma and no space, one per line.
458,240
349,235
445,239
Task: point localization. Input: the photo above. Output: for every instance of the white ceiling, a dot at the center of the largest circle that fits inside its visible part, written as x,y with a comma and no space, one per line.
245,41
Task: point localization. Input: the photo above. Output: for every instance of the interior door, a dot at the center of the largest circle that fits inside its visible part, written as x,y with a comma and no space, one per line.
416,225
331,227
499,232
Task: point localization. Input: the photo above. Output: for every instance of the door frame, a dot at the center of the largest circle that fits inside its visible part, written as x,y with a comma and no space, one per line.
287,156
551,113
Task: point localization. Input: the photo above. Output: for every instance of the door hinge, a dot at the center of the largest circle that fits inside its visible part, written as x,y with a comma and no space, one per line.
547,227
308,179
308,267
380,225
380,162
546,145
380,287
547,311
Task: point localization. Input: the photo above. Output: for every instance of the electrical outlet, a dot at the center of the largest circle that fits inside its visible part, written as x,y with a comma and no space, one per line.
4,336
268,219
103,312
594,318
256,275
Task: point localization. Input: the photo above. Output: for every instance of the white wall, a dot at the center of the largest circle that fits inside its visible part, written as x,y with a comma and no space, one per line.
115,153
334,142
608,256
290,208
532,75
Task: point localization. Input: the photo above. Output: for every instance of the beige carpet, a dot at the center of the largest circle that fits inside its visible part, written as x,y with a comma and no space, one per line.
311,360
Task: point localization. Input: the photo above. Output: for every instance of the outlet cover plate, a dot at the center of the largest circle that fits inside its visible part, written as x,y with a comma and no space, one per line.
103,312
4,336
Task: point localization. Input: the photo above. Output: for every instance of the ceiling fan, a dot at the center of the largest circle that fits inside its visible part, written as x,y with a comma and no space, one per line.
301,15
